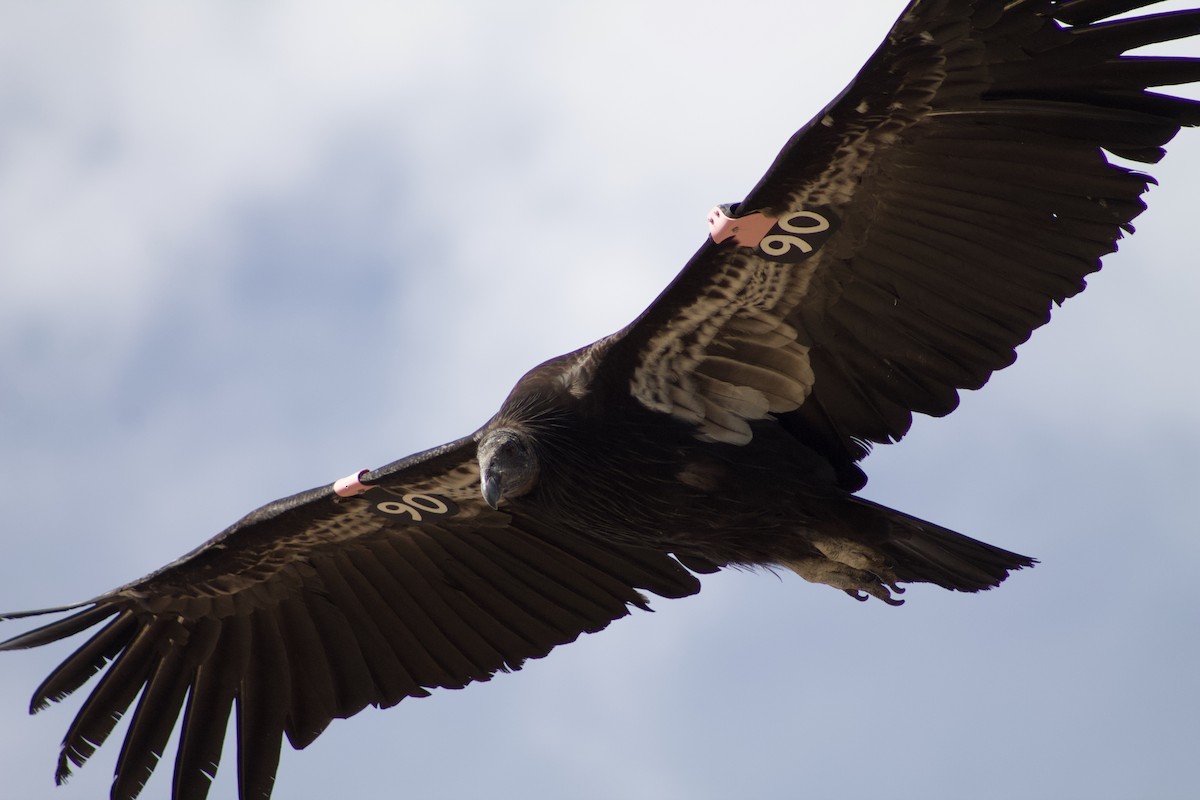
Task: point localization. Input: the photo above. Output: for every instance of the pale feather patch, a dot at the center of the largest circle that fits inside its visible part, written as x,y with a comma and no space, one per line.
743,401
769,330
740,373
688,406
791,359
722,426
695,370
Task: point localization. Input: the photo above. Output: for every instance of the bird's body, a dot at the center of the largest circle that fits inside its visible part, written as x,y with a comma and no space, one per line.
666,490
901,246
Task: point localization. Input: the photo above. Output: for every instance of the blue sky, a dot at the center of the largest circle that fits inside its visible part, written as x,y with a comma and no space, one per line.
247,248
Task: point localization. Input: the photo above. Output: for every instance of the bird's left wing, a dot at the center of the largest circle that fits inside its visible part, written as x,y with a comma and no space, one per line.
914,233
364,592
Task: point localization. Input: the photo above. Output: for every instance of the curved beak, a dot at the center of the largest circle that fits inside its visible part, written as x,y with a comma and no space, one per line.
489,483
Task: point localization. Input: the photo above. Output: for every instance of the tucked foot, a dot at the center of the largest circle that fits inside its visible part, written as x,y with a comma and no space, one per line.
858,583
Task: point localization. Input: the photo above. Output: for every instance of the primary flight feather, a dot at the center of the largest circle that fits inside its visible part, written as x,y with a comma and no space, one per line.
901,246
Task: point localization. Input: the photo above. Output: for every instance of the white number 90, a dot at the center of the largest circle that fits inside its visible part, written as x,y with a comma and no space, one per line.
798,222
414,505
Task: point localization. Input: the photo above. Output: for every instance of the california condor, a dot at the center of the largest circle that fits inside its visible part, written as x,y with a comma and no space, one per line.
901,246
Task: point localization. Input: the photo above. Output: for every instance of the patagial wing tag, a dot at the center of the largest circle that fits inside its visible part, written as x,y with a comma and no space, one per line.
788,239
410,508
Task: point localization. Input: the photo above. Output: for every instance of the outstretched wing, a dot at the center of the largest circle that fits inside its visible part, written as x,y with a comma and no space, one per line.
907,239
317,605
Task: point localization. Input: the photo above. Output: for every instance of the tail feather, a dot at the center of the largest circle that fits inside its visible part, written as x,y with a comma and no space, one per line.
923,552
951,560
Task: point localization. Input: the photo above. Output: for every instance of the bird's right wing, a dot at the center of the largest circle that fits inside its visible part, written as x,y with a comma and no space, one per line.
313,607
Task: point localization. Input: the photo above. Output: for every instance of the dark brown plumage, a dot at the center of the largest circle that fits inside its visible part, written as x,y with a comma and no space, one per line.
722,427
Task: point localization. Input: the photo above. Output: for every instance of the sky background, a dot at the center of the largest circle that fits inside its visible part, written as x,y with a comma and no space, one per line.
249,247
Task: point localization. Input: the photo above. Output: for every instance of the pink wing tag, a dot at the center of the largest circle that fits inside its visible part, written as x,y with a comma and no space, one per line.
747,231
350,485
787,240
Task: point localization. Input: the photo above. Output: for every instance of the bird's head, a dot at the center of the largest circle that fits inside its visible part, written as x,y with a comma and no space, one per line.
508,466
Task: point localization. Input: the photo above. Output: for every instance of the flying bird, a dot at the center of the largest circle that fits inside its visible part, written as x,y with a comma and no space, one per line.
898,250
